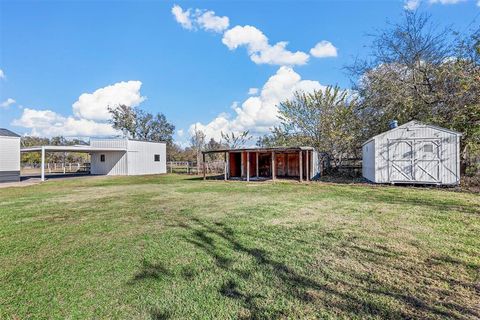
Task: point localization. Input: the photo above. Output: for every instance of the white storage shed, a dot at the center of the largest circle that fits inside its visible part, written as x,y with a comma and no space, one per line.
413,153
9,156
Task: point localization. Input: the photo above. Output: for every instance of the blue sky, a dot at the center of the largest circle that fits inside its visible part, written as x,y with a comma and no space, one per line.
62,61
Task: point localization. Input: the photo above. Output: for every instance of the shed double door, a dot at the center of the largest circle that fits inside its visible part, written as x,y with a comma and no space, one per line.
414,160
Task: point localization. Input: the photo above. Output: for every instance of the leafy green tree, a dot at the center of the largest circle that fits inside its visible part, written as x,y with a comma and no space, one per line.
139,124
154,127
325,119
416,71
124,118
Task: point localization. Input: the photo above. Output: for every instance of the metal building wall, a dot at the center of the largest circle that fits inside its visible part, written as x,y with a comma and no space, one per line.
141,156
9,159
316,167
115,161
368,160
449,168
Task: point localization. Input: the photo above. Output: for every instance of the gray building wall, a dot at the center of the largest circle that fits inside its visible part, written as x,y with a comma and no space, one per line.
9,159
368,160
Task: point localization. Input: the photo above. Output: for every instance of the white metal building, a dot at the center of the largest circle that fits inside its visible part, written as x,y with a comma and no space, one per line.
114,156
413,153
135,158
9,156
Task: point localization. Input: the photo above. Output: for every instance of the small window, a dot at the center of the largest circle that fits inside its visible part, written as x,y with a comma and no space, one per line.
428,148
156,158
102,158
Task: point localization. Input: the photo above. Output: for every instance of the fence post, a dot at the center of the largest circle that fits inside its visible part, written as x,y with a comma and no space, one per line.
204,173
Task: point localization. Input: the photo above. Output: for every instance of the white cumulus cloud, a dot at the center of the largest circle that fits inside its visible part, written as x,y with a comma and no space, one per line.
94,106
182,17
209,21
411,4
414,4
252,91
49,123
259,113
259,49
193,19
90,114
324,49
7,103
2,74
446,1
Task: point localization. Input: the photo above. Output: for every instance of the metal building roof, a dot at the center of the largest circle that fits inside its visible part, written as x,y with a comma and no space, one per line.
410,124
7,133
76,148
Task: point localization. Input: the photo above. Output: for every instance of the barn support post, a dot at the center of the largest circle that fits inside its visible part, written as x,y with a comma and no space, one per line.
242,171
308,166
226,165
204,173
256,169
273,166
248,166
301,165
43,164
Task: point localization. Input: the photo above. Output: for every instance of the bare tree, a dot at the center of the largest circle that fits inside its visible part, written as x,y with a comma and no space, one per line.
197,143
238,140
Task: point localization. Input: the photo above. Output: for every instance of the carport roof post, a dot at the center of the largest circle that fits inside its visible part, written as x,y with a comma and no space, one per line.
43,164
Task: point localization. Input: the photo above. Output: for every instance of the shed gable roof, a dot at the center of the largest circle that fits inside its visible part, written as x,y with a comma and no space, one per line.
412,123
8,133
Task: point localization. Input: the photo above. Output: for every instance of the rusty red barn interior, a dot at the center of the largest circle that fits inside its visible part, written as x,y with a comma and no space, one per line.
269,163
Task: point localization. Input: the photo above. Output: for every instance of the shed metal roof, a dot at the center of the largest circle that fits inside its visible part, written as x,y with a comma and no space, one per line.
409,124
7,133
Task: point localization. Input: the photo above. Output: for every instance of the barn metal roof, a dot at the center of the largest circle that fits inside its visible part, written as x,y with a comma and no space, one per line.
7,133
259,149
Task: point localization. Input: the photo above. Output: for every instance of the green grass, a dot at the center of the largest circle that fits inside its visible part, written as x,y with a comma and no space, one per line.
176,247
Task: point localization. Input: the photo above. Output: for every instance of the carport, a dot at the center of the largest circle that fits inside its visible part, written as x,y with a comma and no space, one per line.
85,149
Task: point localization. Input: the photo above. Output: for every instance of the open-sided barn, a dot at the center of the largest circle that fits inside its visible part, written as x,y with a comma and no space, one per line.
413,153
269,163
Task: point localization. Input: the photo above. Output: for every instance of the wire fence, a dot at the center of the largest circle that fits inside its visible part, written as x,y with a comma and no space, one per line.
194,168
55,167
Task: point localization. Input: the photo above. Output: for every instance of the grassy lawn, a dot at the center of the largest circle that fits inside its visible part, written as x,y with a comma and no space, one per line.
172,246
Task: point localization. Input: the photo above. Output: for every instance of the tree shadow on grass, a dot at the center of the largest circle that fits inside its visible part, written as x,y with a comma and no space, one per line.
356,300
289,282
150,271
159,315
